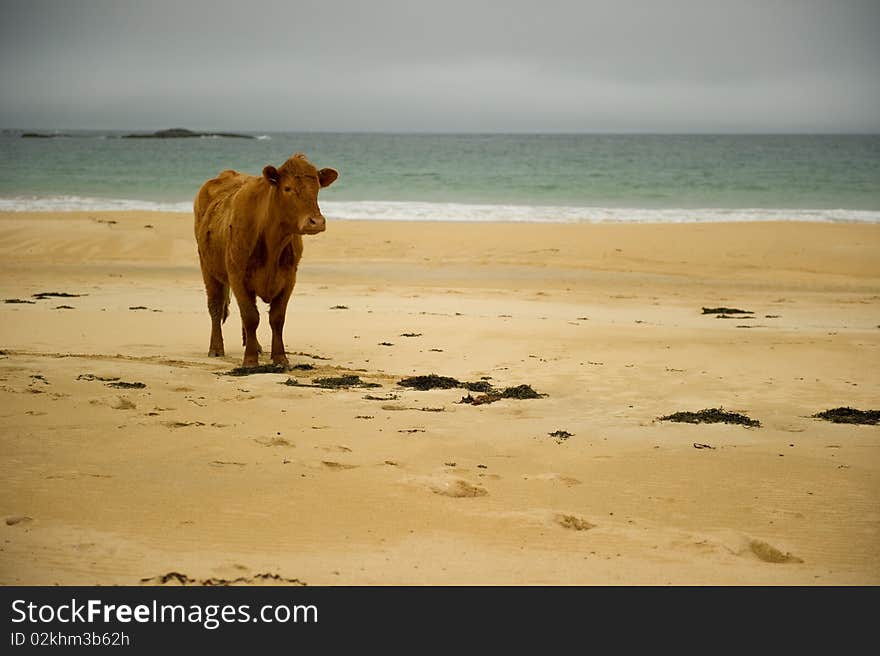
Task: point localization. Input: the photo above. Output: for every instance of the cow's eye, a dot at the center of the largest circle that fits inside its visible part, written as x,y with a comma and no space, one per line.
287,189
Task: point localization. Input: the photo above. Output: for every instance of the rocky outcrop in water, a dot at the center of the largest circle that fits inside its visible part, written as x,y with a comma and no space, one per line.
182,133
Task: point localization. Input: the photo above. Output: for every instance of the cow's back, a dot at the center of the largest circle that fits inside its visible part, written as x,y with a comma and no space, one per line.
213,209
215,196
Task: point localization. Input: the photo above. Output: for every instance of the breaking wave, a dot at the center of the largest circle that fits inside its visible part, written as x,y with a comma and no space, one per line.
422,211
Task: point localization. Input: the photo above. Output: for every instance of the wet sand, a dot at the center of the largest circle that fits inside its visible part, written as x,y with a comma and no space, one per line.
244,479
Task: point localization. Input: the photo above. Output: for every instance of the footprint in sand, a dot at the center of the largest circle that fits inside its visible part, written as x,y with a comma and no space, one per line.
275,441
18,519
330,464
770,554
573,522
738,545
458,488
553,476
124,404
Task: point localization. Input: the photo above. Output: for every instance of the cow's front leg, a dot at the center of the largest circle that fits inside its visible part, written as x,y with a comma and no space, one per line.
244,340
277,312
250,320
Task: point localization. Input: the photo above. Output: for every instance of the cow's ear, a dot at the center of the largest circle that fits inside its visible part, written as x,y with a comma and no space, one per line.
327,176
272,175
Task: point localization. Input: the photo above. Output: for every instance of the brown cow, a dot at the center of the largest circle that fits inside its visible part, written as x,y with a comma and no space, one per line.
249,232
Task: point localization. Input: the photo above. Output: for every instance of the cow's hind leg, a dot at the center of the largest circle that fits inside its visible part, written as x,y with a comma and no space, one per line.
250,320
277,312
218,308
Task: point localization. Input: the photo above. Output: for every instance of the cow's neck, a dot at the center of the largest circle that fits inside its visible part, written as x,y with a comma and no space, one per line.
276,239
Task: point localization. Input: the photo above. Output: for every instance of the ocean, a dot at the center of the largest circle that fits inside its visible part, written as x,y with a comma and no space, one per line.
470,177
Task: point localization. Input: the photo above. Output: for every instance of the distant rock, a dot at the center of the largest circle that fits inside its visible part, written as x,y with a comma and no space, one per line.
42,135
182,133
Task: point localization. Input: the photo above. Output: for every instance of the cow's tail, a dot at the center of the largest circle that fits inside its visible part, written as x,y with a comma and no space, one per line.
225,304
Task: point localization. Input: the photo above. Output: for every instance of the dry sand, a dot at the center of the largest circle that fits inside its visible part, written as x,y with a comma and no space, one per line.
221,477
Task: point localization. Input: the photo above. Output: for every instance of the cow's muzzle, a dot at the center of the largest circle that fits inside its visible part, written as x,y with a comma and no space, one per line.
315,224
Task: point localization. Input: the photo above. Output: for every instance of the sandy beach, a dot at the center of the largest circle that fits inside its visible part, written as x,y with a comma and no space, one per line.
218,478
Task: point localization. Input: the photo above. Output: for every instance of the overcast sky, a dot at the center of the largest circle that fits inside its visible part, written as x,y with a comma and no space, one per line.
445,65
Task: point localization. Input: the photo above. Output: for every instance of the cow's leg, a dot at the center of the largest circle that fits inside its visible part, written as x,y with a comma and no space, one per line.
218,308
244,340
250,319
277,312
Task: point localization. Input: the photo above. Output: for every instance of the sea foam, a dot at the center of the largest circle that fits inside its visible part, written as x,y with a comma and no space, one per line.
471,213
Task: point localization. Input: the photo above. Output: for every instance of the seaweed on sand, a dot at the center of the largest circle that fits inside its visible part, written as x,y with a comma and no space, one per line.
517,392
390,397
725,310
343,381
487,393
521,392
260,369
429,382
479,386
338,382
847,415
44,295
712,416
103,379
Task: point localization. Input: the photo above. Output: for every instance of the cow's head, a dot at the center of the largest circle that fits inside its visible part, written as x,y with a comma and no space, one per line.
294,188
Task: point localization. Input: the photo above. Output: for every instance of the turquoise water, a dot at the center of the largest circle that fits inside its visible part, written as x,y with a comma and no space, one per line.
472,177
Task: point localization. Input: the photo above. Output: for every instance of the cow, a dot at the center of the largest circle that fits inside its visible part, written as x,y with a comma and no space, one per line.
249,233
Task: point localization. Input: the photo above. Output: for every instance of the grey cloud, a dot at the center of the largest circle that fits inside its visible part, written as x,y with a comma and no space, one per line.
773,65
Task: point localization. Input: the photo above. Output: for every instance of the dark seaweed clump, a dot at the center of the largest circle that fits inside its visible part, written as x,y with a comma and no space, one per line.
561,434
712,416
725,310
18,300
123,385
338,382
433,381
487,393
343,381
103,379
44,295
849,415
260,369
429,382
518,392
479,386
183,579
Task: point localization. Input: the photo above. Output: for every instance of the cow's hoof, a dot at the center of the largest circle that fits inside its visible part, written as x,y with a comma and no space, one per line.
259,349
216,353
250,362
281,360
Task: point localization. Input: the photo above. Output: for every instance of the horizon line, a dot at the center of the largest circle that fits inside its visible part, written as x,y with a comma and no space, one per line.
258,132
